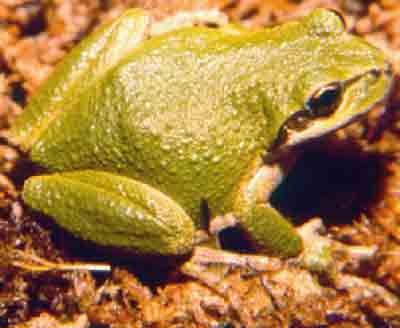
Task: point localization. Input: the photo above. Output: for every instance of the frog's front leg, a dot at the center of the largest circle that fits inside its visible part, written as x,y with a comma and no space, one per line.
265,225
113,210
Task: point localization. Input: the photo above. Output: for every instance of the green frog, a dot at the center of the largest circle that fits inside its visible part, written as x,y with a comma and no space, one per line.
149,128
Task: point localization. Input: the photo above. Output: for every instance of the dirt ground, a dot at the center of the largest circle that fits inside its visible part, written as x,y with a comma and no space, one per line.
358,203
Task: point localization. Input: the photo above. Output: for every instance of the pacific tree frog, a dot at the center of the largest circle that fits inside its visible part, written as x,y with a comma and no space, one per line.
139,126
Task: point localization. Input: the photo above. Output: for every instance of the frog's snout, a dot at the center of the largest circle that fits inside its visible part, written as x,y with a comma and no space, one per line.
388,69
388,72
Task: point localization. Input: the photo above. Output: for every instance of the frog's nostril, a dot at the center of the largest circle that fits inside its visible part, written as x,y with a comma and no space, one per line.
375,73
388,68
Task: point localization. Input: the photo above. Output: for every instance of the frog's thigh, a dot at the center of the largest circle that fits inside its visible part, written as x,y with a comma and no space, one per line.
266,226
86,64
112,210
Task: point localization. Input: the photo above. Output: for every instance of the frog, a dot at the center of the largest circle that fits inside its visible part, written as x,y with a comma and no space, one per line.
149,129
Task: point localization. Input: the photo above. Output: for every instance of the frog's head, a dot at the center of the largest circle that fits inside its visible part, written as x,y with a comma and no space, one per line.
339,77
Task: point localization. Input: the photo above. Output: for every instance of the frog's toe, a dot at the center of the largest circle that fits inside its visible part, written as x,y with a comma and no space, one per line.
316,254
204,258
324,254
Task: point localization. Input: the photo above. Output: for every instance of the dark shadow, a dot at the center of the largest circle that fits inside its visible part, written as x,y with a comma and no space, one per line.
23,170
18,93
235,239
336,184
36,24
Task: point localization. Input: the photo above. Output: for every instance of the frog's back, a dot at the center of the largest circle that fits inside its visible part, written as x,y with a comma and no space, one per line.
171,115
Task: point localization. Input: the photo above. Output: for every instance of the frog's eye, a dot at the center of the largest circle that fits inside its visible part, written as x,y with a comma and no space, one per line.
325,101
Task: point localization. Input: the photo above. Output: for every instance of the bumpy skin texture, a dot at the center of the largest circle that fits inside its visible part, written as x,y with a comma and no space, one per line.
189,113
139,213
82,67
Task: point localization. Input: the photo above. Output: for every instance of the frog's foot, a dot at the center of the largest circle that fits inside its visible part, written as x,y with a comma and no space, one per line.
207,257
317,249
204,259
211,266
325,255
188,19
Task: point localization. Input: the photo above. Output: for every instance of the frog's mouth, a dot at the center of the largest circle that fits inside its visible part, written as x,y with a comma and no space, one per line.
332,107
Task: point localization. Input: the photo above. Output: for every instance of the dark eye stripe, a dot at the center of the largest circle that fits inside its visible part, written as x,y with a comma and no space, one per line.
323,103
299,120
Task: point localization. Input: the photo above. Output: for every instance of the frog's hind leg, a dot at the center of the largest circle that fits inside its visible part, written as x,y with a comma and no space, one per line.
113,210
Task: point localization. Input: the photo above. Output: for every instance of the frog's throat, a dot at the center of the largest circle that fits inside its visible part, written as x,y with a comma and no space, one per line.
316,128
